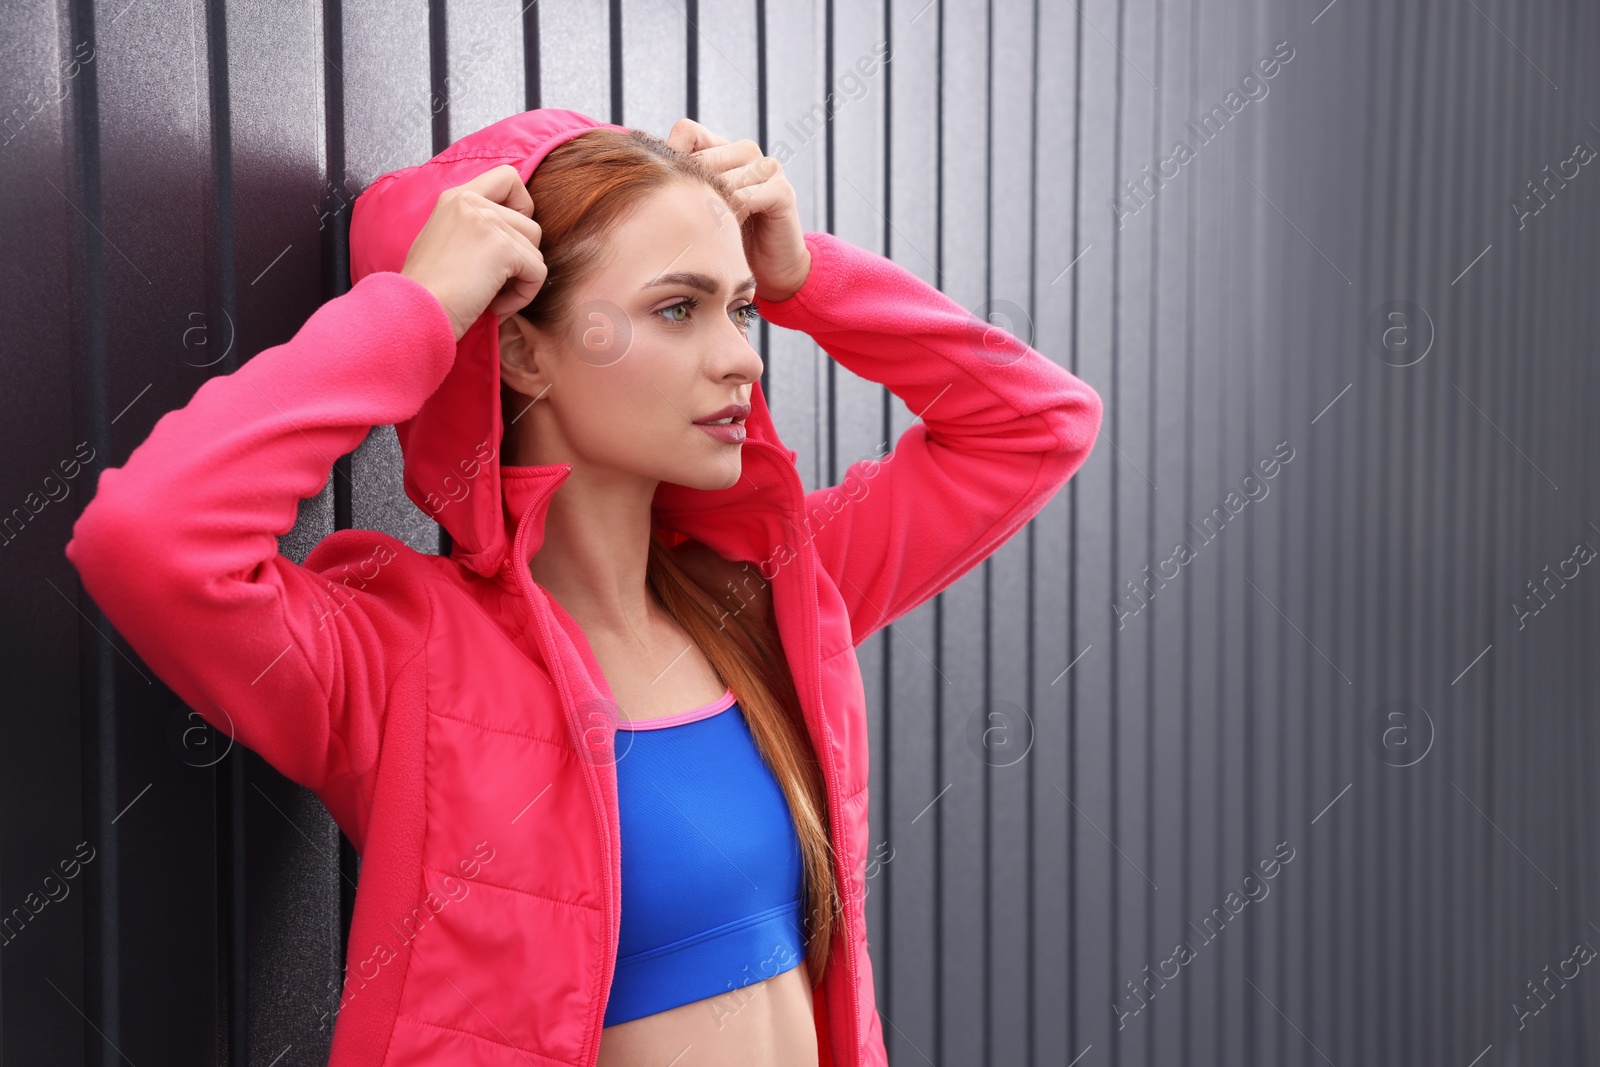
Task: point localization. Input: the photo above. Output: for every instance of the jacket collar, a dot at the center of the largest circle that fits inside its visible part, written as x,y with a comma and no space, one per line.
757,519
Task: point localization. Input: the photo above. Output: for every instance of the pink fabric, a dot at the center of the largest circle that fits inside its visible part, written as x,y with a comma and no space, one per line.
704,711
447,711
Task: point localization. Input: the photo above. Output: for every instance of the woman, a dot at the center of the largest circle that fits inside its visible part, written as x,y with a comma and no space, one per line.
606,762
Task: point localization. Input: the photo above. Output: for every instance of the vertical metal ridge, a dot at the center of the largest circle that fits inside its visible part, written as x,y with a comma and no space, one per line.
102,913
1074,1024
1157,611
233,839
438,71
883,969
1114,757
691,104
1186,1027
1031,655
532,68
986,642
615,27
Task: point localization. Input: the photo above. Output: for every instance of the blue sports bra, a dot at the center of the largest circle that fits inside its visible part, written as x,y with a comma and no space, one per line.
712,875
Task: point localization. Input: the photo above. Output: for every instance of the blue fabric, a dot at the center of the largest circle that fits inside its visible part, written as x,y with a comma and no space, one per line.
712,874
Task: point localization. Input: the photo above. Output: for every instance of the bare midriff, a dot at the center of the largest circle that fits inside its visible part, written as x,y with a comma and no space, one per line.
767,1022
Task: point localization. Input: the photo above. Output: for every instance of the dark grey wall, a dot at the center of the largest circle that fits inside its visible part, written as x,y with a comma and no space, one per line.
1067,780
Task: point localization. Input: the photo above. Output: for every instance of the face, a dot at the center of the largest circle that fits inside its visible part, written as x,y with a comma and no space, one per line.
659,340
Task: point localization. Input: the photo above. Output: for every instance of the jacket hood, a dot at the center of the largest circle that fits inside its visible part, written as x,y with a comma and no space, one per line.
451,447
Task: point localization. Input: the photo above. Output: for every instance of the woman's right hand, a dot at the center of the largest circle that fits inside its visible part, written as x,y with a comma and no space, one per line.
480,249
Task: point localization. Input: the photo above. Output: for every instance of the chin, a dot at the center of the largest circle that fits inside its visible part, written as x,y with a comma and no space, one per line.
723,474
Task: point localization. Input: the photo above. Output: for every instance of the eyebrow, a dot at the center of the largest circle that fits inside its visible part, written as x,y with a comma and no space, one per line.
695,280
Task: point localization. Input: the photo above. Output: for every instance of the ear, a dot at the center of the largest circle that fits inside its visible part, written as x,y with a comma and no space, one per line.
524,356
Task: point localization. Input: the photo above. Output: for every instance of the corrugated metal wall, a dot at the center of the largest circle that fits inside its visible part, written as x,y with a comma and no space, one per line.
1271,680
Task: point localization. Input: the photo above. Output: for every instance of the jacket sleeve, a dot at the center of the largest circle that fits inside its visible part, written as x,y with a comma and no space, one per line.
179,548
1002,427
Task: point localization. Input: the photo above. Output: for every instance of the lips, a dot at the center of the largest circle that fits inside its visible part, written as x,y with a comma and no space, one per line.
733,413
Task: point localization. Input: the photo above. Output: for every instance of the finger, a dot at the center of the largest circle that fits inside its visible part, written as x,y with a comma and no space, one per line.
520,233
754,200
523,284
516,221
753,172
689,136
527,261
725,158
760,198
502,185
526,270
517,294
503,220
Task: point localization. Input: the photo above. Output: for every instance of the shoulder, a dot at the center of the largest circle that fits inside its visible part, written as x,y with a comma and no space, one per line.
377,564
356,548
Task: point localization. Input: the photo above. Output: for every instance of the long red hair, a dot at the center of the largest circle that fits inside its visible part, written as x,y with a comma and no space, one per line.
580,191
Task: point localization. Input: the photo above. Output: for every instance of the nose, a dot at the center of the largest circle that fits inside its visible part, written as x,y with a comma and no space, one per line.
735,358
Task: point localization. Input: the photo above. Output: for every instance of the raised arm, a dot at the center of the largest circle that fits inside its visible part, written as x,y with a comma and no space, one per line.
1002,429
179,544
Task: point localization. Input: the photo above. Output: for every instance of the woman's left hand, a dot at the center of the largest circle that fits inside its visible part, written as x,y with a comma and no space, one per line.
775,245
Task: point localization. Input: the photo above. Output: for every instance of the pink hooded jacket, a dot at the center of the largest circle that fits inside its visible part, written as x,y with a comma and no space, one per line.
447,711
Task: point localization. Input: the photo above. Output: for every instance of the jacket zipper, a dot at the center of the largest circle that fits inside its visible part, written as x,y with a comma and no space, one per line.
590,776
834,801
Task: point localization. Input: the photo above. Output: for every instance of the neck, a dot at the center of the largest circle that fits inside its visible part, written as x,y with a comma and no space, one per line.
595,550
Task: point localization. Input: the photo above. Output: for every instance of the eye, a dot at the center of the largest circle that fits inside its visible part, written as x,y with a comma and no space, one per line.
687,304
750,311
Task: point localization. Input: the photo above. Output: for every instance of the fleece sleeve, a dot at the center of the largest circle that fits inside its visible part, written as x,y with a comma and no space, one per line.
1002,427
178,546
